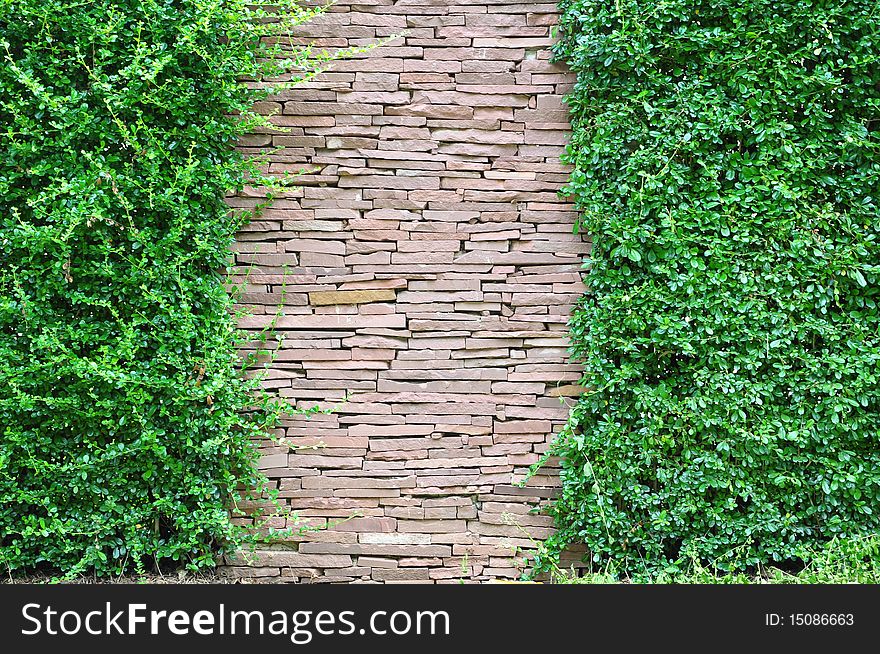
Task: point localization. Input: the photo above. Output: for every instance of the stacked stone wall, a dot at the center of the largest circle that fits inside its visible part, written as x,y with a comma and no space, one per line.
425,269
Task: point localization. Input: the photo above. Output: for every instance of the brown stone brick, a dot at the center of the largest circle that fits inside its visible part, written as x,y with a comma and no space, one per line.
322,298
398,574
362,525
286,559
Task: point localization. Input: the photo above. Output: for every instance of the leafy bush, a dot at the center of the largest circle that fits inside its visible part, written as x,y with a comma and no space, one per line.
851,560
727,166
125,418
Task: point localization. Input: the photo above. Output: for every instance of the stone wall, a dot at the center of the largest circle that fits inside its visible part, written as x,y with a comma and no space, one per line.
426,267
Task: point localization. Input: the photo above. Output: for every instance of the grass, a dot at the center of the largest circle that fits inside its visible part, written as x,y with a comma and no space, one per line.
843,561
181,577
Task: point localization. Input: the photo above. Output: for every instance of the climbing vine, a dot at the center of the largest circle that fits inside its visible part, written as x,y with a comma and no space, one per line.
127,422
726,163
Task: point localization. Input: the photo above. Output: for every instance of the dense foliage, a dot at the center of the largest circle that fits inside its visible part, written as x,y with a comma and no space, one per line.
727,166
125,419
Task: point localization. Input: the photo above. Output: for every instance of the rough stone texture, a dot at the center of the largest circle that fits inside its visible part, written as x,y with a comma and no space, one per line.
426,267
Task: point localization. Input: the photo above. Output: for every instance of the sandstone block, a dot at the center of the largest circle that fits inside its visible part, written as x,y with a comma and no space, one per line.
324,298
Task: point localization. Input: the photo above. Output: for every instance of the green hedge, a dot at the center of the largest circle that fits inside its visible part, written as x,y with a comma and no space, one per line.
126,423
727,166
